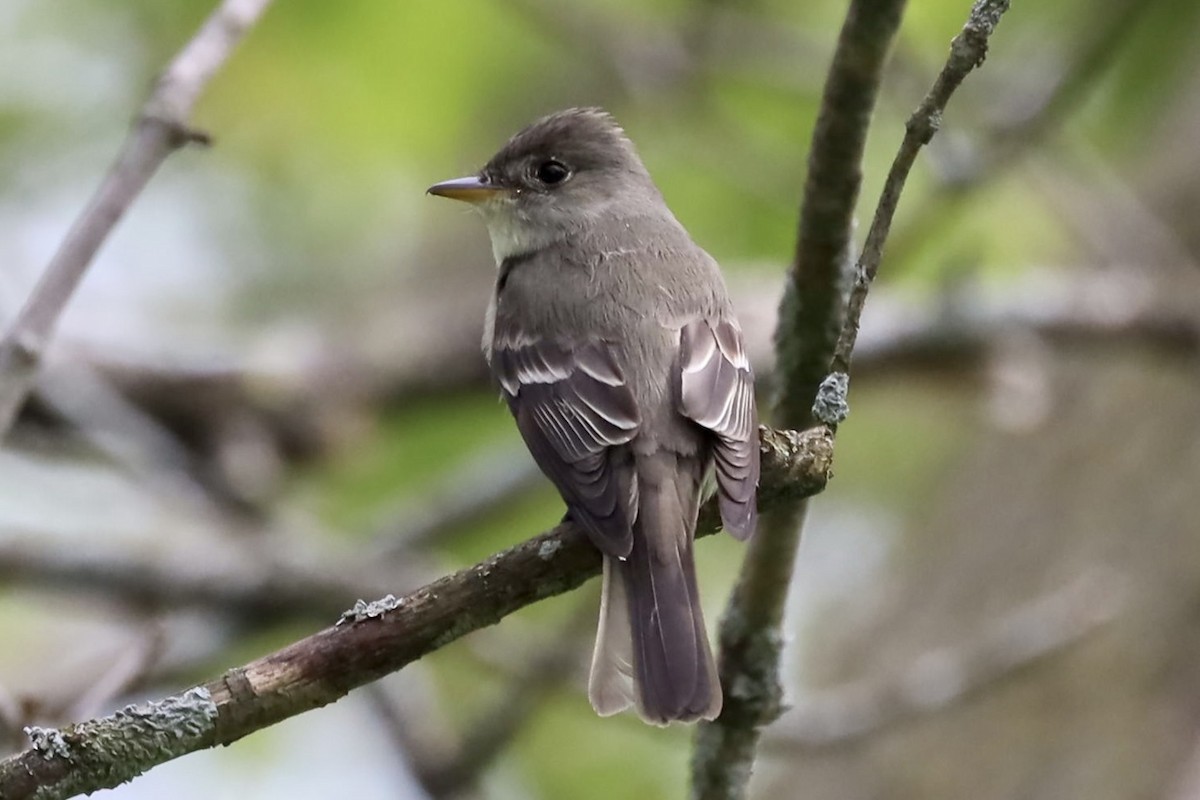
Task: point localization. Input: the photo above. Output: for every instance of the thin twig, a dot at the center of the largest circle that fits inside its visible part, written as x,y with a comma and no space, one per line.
967,52
161,128
809,318
375,639
750,630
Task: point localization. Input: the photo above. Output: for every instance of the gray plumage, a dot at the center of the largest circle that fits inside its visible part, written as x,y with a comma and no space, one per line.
618,352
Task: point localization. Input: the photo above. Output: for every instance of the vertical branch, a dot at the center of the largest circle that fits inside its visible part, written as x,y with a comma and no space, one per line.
161,128
810,314
809,321
750,630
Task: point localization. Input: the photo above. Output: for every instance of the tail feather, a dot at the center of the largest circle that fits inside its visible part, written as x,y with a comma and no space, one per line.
610,685
654,591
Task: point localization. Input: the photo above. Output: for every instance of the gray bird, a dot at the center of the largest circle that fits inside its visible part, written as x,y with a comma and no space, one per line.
616,347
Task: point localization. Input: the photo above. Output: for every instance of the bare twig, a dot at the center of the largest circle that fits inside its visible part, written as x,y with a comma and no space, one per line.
162,128
809,318
377,638
940,678
967,51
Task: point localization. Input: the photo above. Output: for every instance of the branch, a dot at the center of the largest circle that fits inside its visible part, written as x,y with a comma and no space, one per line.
161,129
490,733
750,630
941,678
810,313
377,638
1103,33
809,318
483,484
960,330
247,587
967,52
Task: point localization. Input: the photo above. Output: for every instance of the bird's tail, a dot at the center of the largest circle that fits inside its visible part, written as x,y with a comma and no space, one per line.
651,646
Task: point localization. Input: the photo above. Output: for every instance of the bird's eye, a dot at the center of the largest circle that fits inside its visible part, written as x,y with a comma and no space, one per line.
551,172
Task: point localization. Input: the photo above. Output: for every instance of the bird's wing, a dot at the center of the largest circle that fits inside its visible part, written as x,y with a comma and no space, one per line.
717,391
573,406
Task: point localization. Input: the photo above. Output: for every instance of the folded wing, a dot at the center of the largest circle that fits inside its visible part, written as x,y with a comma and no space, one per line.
717,392
573,407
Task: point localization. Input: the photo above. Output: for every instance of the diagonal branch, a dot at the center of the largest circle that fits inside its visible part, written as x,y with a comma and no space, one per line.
942,677
1103,32
161,129
967,52
378,638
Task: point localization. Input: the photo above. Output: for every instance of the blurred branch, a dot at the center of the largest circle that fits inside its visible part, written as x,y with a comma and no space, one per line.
249,588
809,317
407,709
13,719
376,639
130,670
941,678
1186,785
188,401
966,327
162,128
552,663
634,58
655,62
485,482
1103,31
136,441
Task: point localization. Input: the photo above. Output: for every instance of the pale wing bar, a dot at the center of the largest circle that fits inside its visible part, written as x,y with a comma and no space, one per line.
573,409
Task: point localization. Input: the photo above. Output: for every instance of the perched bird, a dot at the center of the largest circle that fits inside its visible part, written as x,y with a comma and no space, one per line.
616,347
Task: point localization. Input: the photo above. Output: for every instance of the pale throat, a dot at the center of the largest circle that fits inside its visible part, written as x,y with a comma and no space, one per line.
513,236
510,238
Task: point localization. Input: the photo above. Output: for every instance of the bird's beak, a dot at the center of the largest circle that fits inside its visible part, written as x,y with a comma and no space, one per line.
470,190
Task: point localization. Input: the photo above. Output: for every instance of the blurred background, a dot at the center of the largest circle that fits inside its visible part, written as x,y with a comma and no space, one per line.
267,400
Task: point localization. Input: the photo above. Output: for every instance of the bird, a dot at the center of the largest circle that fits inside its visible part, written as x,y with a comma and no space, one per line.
616,347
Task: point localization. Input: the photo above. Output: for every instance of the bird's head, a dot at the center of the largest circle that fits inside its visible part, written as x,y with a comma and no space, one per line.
559,175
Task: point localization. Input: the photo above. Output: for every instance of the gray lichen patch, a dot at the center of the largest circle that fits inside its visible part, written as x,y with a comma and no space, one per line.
373,610
48,741
831,406
107,752
548,548
189,714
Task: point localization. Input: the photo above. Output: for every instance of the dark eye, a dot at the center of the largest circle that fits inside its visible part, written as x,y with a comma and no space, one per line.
551,172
